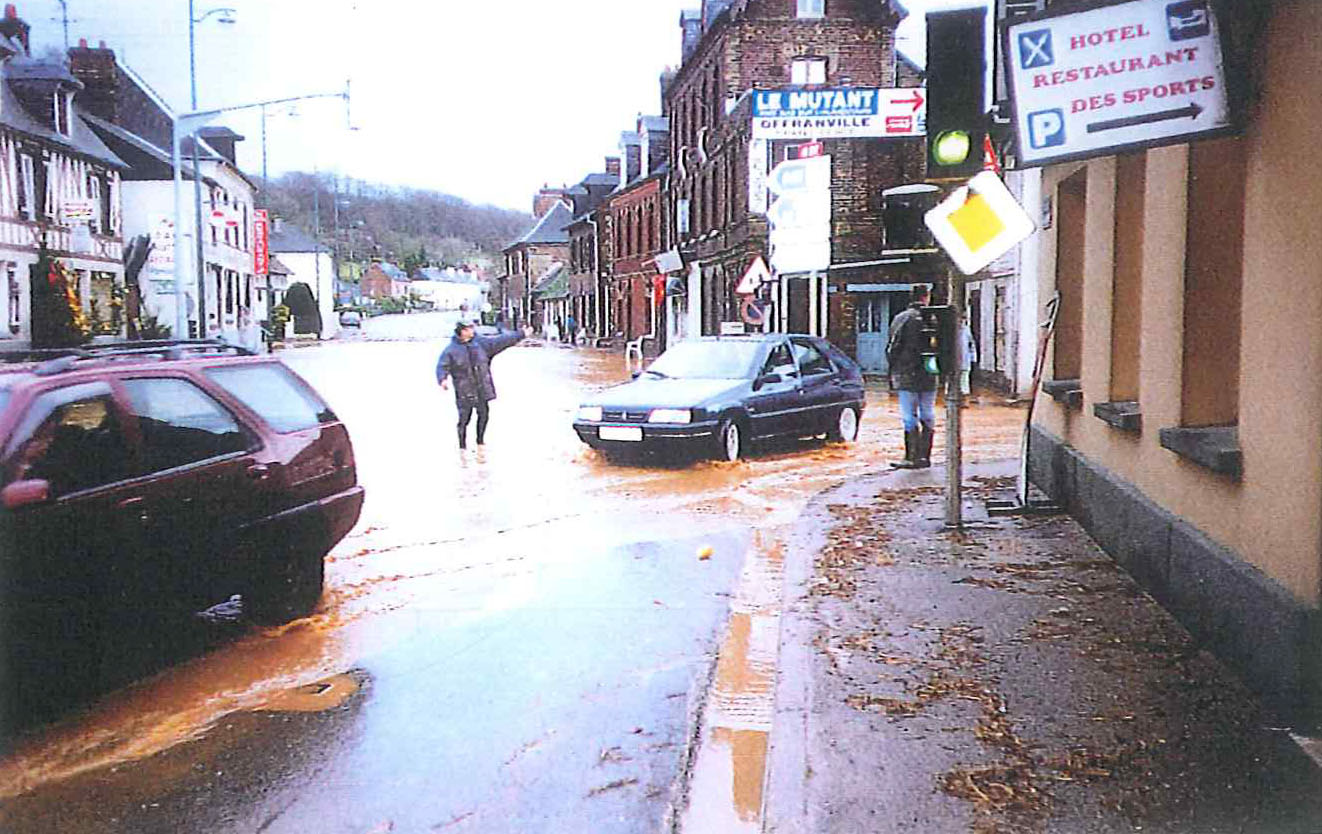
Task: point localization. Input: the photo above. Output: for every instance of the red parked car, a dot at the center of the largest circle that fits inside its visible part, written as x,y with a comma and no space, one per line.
170,474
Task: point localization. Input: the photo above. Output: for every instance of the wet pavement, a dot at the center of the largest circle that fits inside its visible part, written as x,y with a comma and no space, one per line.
517,638
1009,678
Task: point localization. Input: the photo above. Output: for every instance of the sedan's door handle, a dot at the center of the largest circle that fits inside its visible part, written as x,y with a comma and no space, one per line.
259,472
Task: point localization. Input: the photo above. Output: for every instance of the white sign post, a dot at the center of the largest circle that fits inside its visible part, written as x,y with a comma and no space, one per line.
801,216
1130,75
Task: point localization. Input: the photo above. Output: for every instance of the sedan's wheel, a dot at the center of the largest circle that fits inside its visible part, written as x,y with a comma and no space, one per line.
730,440
845,429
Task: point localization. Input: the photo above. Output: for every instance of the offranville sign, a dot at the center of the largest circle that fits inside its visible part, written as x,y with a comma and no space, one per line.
1137,74
839,113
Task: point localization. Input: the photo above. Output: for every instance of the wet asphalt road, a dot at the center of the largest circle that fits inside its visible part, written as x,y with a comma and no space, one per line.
511,640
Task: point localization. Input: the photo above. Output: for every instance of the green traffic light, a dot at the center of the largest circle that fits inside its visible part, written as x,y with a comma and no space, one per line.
952,147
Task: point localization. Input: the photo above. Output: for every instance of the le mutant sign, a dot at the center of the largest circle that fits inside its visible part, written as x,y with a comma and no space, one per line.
839,113
979,223
1142,73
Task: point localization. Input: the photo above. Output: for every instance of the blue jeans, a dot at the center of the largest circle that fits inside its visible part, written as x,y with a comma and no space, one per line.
915,406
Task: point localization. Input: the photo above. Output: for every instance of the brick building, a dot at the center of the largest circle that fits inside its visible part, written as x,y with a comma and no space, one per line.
585,286
530,257
716,193
384,280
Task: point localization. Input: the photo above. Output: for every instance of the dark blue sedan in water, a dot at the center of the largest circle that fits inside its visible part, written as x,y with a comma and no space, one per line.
716,395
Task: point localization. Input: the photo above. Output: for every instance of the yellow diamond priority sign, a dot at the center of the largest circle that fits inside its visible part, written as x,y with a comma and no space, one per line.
979,223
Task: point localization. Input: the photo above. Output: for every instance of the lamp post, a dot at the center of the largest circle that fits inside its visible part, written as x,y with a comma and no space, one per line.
184,124
223,15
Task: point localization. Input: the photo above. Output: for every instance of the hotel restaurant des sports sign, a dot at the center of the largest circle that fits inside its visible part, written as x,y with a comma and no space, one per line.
1130,75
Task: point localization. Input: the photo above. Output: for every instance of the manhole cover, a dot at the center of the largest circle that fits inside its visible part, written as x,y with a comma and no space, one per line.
314,697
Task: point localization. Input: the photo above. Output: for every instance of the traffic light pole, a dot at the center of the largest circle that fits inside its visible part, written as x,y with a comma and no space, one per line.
954,400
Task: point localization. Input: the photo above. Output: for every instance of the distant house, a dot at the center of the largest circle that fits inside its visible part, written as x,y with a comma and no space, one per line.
59,190
384,280
311,263
551,298
449,289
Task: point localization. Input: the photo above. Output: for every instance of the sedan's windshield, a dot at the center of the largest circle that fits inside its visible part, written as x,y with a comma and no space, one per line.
708,360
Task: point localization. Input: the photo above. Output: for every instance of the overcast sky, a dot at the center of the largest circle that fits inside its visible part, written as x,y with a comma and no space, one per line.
483,100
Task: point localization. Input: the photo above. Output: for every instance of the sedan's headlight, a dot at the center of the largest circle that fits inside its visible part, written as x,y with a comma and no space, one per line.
670,415
590,413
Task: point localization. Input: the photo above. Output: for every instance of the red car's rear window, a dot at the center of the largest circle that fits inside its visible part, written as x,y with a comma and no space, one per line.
272,391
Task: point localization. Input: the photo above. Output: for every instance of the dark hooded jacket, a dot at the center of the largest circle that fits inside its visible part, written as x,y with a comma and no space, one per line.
469,365
904,352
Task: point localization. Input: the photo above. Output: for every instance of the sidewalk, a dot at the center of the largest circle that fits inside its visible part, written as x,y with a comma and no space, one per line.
1009,678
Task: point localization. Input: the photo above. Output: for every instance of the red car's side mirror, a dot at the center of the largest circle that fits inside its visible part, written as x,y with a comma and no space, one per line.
21,494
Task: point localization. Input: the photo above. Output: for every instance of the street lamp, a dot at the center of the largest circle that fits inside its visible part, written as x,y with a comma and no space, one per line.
223,15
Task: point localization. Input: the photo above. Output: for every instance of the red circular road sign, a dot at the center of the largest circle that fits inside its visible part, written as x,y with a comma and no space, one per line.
752,311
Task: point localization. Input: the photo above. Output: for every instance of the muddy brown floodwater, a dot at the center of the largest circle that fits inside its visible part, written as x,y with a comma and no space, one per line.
436,522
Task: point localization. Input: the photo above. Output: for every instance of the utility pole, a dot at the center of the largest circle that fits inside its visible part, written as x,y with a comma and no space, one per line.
954,401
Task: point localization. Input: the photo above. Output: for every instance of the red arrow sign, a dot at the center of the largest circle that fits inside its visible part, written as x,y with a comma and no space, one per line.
916,101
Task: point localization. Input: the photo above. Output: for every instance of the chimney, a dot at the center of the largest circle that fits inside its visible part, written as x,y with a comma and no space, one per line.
98,71
690,24
632,148
546,200
15,29
223,140
613,166
711,9
667,78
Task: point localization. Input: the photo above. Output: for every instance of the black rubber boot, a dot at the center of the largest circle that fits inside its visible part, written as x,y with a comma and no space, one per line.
910,452
923,453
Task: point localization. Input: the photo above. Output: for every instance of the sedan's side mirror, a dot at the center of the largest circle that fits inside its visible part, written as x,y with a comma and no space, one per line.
21,494
767,379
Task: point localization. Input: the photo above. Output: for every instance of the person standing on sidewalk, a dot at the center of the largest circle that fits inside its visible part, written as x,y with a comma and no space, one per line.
467,361
968,357
917,387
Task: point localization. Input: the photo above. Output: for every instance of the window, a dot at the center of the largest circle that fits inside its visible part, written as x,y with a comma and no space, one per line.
682,215
1072,204
780,361
811,9
275,395
27,187
78,444
811,360
61,104
1213,277
15,298
1127,276
180,424
808,71
99,218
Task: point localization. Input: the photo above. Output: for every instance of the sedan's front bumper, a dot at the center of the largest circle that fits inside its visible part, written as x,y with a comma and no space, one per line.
656,436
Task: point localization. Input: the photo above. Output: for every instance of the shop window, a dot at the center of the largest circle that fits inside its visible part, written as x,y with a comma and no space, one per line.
811,9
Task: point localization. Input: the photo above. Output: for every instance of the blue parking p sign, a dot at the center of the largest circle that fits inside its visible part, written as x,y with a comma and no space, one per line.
1035,49
1046,128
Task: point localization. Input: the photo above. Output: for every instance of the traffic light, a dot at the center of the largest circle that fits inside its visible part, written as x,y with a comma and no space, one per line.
939,340
956,83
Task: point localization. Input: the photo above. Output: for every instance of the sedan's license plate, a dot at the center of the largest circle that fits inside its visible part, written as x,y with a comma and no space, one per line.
629,434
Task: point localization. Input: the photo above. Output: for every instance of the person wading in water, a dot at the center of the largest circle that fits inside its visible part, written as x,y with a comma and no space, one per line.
467,361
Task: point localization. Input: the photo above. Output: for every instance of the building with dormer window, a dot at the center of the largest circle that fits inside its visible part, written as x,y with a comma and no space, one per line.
59,190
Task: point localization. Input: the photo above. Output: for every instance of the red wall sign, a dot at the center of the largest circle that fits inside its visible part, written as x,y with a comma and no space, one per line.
261,242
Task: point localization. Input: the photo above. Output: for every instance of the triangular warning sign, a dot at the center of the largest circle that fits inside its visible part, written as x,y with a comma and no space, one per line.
756,275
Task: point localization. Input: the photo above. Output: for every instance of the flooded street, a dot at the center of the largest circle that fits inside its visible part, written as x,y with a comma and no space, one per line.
513,638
